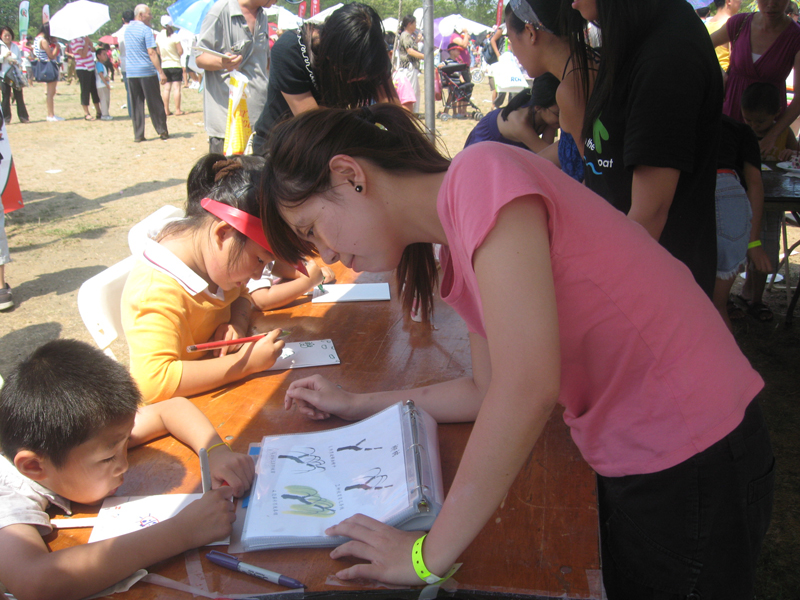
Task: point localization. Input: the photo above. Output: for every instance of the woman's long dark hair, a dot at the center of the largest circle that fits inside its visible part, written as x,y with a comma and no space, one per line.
407,20
624,25
297,167
351,63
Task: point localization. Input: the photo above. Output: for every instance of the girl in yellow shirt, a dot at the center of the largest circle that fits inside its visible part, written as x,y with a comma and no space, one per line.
189,286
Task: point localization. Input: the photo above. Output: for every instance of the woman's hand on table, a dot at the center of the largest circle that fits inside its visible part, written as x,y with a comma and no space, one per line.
759,259
787,154
317,398
231,468
387,550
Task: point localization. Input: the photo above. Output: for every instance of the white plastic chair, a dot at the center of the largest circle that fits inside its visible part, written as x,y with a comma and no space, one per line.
151,226
99,301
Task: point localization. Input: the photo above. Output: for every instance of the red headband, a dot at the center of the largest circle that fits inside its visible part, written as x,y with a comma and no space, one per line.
244,223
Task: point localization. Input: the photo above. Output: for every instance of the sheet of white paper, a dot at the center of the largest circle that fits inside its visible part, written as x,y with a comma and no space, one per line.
297,355
126,514
351,292
308,482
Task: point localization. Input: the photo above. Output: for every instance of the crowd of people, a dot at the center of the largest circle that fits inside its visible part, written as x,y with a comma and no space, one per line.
629,228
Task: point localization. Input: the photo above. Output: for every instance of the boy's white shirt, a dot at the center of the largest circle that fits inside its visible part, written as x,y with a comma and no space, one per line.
24,501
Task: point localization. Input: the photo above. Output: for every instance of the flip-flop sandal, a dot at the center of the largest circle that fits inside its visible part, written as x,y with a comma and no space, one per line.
734,312
89,118
759,311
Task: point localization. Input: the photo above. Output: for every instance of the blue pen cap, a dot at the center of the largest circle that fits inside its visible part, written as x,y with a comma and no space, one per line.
223,560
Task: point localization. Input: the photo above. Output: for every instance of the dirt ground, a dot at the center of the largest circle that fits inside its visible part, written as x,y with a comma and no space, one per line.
86,183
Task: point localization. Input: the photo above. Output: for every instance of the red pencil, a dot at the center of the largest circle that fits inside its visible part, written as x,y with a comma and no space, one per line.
223,343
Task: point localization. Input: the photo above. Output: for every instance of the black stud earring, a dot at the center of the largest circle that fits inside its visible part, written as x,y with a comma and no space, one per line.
359,189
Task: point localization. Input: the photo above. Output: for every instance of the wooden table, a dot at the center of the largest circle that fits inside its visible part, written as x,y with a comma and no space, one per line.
782,193
541,542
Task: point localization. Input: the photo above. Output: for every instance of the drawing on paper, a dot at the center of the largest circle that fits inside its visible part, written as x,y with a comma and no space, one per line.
357,447
306,458
311,503
147,521
373,480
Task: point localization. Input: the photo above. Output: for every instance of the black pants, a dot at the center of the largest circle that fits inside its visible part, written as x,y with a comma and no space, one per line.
88,86
693,531
22,112
147,89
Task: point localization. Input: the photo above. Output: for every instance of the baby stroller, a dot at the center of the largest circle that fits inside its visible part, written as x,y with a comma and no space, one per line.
454,91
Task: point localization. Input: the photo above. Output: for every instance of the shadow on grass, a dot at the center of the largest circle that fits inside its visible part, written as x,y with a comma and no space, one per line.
17,345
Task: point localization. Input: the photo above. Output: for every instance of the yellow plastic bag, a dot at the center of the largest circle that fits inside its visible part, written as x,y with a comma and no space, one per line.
237,128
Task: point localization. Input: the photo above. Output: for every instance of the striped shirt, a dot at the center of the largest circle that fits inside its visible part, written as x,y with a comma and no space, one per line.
76,46
38,52
138,38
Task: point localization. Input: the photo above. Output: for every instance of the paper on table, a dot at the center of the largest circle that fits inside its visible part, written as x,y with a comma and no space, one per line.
126,514
351,292
297,355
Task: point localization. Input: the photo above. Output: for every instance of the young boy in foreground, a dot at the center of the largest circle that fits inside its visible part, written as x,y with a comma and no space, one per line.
67,417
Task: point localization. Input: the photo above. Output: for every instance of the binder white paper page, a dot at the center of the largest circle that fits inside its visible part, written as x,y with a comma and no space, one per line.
308,482
351,292
297,355
126,514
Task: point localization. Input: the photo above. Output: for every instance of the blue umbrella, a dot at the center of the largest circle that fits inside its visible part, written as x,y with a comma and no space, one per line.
189,14
699,3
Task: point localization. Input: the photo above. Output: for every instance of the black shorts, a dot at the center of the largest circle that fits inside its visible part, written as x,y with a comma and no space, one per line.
174,75
693,530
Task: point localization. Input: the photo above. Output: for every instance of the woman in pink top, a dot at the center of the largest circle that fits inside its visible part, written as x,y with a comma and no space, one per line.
765,47
657,395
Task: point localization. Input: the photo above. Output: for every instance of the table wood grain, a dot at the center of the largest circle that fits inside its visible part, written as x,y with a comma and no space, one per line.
541,542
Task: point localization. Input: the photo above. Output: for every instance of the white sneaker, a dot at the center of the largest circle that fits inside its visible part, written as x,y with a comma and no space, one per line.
54,119
123,107
107,118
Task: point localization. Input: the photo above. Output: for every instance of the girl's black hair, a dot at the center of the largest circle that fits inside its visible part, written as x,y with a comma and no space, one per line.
300,150
626,23
230,180
8,29
351,63
548,11
407,20
45,30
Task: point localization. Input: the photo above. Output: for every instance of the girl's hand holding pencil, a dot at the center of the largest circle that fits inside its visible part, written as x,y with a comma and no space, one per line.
226,333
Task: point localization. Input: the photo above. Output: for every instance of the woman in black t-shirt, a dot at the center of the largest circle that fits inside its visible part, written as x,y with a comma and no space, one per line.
343,64
652,122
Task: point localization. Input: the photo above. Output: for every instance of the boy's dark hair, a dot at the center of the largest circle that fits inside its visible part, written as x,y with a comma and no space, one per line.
127,16
761,97
389,37
61,396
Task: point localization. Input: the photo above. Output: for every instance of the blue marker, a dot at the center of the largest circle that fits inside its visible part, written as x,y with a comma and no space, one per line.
234,564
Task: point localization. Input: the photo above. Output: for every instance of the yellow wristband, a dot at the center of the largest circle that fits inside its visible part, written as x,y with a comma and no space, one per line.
217,446
420,568
755,244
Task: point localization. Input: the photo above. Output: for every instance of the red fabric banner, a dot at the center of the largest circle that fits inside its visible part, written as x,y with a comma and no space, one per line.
314,7
301,9
499,12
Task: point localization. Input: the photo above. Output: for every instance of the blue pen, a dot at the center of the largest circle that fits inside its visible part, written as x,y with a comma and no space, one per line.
234,564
